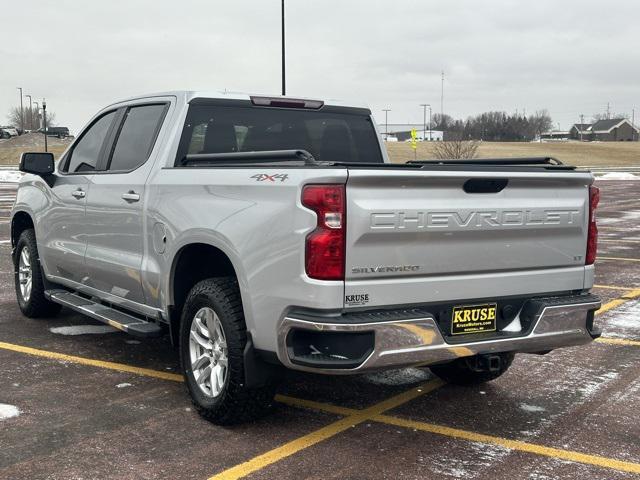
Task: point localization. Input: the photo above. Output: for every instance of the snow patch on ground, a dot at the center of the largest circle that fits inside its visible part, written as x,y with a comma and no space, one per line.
124,385
531,408
479,456
10,176
8,411
590,388
617,176
624,321
83,330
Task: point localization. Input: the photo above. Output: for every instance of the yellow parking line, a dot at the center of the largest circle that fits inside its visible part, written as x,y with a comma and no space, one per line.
614,287
120,367
312,405
619,258
630,295
569,455
619,341
355,417
617,240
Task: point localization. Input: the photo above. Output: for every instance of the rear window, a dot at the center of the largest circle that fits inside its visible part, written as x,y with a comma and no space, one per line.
329,134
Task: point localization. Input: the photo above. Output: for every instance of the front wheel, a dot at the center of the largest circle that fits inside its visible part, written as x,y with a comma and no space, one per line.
212,340
474,370
29,279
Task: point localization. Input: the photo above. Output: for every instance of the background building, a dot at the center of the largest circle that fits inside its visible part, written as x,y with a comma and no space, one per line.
608,130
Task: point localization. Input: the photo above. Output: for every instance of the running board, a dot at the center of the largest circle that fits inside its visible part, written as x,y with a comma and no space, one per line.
117,319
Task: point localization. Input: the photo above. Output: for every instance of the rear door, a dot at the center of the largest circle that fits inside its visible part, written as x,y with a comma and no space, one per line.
431,236
115,213
63,229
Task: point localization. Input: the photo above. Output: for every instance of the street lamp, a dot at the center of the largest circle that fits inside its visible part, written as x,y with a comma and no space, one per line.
386,123
284,90
37,113
424,132
30,112
44,115
21,111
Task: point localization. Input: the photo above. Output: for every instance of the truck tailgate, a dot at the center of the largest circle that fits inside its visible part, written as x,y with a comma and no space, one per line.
418,236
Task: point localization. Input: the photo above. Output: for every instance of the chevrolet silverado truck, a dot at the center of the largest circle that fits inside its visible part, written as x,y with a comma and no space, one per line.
268,232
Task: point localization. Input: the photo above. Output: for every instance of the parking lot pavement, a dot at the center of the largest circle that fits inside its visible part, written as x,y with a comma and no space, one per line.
92,403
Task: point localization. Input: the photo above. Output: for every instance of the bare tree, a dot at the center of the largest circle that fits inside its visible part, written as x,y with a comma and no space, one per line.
455,149
32,118
603,116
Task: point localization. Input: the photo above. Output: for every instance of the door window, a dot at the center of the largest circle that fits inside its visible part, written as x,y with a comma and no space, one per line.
85,153
137,136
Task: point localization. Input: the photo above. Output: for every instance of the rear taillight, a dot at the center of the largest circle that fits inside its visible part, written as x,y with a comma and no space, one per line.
592,238
324,255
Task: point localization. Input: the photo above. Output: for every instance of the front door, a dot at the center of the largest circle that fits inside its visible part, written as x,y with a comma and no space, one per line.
115,205
63,231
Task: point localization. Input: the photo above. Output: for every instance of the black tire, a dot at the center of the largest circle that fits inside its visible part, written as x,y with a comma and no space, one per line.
235,403
465,371
36,305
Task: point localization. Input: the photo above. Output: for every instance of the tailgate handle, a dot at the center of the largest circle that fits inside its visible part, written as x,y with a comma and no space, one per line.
485,185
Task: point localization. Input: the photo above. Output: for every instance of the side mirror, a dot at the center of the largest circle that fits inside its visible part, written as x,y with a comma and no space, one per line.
38,163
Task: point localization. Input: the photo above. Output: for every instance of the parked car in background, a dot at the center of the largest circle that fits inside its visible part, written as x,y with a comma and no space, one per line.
60,132
8,132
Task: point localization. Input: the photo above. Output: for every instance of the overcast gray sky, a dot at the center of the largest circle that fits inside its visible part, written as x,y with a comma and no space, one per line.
567,56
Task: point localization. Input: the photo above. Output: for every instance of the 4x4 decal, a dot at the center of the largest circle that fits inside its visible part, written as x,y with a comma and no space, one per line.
264,177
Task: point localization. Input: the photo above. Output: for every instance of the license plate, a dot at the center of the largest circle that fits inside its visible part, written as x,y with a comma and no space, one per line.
474,319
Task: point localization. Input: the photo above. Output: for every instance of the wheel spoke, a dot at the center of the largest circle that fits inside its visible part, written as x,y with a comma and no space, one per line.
200,362
203,342
25,257
202,326
215,386
220,375
205,374
222,361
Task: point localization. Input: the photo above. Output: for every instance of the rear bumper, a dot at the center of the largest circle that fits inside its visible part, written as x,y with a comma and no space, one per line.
412,337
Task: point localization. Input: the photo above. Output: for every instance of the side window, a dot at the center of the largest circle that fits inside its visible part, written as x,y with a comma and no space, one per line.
84,156
136,138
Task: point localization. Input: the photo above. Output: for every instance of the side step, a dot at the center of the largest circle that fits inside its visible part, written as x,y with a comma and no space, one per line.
117,319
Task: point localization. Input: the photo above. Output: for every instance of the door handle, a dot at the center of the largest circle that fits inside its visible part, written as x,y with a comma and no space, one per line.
131,196
78,193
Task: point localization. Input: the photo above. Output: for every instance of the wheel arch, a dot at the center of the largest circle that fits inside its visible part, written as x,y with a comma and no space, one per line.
191,264
20,222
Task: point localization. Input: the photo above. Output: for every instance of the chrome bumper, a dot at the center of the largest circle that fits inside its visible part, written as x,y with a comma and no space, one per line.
418,341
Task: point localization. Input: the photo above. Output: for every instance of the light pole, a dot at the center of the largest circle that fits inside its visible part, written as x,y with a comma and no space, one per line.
424,133
30,112
21,111
44,115
37,113
386,123
284,90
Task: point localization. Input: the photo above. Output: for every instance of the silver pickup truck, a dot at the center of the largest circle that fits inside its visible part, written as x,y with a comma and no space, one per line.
269,232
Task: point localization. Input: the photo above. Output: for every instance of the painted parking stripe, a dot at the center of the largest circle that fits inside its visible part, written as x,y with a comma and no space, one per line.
518,445
622,240
619,341
614,287
120,367
356,417
622,259
630,295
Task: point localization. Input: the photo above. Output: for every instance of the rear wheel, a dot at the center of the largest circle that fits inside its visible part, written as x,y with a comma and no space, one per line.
212,341
474,370
29,280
